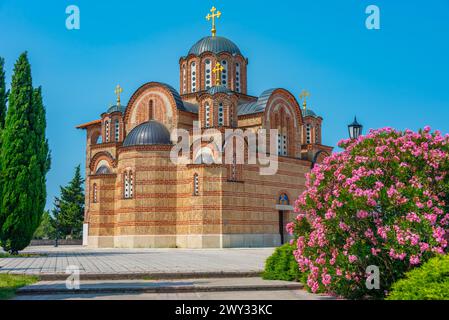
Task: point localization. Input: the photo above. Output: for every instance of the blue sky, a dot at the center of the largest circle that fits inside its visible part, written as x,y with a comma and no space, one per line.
397,76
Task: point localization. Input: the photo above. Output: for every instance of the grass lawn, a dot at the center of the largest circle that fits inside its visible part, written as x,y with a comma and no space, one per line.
10,283
21,255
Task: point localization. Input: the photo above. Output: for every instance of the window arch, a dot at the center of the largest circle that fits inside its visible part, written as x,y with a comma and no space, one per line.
196,187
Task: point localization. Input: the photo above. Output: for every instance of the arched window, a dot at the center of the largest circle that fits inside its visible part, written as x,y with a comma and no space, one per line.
193,77
107,131
220,115
150,110
94,193
224,73
117,130
196,187
207,115
308,133
208,74
237,77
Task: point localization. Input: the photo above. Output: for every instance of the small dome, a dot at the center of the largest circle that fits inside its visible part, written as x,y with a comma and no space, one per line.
148,133
308,113
103,170
214,45
116,109
219,89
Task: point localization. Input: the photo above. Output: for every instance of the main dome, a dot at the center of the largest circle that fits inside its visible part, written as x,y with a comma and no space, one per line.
148,133
214,45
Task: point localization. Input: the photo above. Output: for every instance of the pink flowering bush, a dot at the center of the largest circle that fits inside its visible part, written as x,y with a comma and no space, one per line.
383,201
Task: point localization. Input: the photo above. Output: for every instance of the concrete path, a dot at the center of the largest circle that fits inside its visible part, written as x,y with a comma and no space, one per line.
136,263
189,289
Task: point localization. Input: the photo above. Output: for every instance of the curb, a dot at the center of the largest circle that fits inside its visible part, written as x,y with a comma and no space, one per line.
163,289
146,275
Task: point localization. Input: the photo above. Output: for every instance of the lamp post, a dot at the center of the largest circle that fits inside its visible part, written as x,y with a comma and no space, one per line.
355,129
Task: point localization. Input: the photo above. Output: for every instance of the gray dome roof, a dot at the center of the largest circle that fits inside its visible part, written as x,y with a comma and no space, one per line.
103,170
218,89
214,45
116,108
148,133
308,113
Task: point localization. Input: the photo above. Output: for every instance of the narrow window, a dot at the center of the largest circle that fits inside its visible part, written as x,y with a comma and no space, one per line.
234,168
126,185
237,77
107,130
117,130
207,115
220,115
317,135
196,189
208,74
131,185
224,73
184,79
308,134
193,77
284,145
94,193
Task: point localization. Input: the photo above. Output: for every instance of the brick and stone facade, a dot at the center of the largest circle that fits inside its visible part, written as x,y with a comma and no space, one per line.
136,196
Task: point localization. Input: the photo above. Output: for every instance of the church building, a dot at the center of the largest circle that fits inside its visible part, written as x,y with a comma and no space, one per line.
137,197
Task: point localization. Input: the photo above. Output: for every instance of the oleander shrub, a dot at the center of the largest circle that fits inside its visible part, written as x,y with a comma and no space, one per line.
382,201
428,282
281,265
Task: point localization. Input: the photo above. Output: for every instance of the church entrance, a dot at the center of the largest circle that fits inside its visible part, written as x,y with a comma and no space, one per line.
282,226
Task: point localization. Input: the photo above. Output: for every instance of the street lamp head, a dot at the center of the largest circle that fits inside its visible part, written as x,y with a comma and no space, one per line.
355,129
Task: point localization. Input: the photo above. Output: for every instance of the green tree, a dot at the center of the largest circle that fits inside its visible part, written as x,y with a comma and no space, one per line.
24,161
3,94
46,229
69,208
3,100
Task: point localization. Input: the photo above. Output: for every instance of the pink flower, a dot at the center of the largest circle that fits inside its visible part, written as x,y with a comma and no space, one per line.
414,260
352,258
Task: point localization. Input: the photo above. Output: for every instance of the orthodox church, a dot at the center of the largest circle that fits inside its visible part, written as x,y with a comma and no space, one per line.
136,197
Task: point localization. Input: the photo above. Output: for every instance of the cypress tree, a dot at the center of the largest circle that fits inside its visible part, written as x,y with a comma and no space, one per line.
3,99
24,161
3,94
69,208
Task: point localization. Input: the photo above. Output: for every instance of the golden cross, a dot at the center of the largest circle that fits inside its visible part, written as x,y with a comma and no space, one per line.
118,91
213,16
217,71
304,95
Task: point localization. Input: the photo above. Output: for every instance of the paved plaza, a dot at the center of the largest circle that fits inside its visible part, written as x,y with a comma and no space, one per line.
49,260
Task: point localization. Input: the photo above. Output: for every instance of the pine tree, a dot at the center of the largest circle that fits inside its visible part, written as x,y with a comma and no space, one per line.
24,161
69,208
